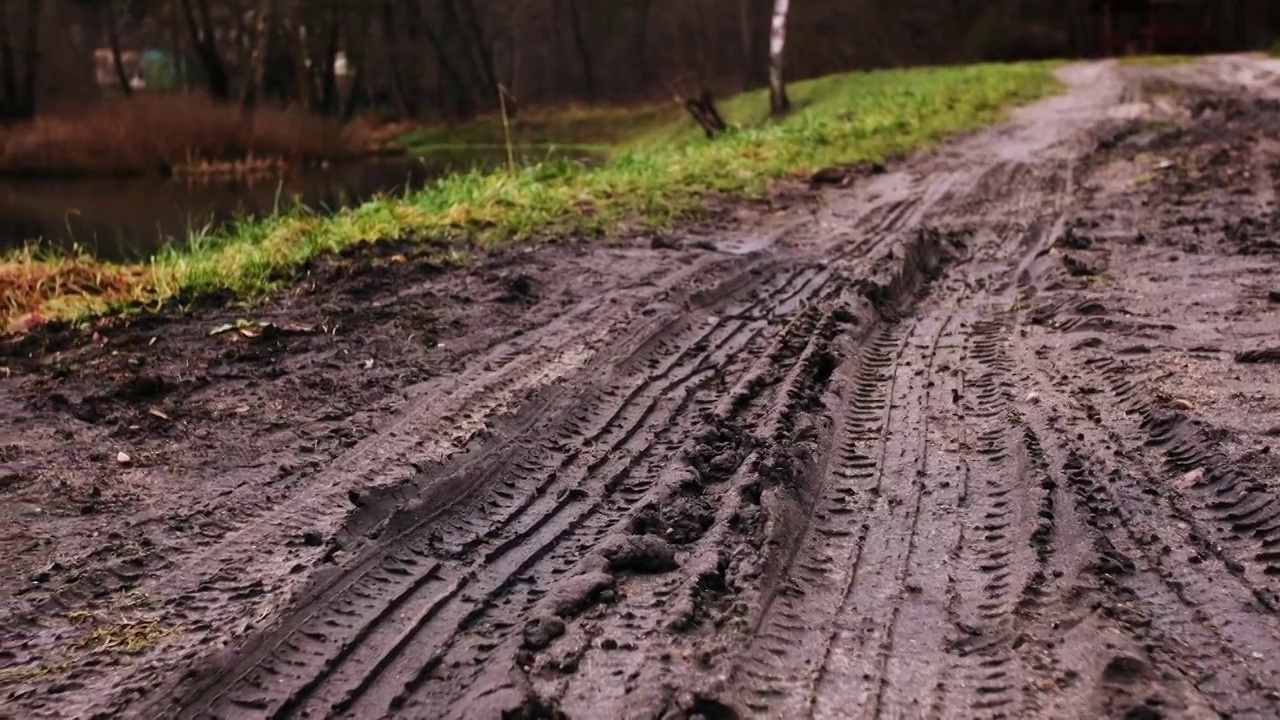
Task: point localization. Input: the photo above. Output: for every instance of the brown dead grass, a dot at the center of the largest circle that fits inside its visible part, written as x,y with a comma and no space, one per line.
35,290
167,133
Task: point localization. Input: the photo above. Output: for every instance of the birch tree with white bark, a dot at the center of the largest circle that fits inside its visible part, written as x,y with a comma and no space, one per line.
779,103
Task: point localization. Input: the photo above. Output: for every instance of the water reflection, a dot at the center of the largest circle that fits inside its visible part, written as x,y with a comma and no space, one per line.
131,218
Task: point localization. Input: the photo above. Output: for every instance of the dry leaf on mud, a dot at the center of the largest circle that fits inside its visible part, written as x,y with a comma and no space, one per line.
1190,479
253,329
157,412
226,328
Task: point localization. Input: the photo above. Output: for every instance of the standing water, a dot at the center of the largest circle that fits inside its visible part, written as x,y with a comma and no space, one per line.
132,218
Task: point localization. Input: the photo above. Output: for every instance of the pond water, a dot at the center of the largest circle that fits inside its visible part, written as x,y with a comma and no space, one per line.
131,218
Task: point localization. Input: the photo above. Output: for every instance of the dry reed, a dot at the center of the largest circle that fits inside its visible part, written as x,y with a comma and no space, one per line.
171,133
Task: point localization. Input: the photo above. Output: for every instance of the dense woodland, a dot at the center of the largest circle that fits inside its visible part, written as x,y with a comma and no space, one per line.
446,58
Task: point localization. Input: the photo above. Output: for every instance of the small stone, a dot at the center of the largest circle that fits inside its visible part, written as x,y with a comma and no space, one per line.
1033,397
1180,404
123,458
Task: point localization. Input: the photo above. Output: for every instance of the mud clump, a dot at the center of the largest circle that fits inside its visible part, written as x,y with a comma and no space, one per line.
541,631
570,597
1075,240
681,521
716,457
1125,669
519,289
1079,267
638,553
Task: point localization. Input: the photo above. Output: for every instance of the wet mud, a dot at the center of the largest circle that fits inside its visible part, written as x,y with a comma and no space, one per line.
984,433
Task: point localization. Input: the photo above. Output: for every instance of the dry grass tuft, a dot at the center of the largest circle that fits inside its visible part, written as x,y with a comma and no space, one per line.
34,289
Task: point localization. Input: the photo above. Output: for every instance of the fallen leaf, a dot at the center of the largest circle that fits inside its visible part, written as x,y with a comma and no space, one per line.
158,413
1191,479
295,329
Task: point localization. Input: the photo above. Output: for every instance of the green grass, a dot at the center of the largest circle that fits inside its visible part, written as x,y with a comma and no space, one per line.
660,170
575,128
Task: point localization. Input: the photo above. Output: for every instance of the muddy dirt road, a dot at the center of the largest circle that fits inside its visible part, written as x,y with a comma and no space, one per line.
988,434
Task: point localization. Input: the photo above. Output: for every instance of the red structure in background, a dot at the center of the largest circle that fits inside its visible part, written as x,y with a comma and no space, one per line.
1157,26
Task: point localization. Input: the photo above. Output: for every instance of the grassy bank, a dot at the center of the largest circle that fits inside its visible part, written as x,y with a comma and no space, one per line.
660,172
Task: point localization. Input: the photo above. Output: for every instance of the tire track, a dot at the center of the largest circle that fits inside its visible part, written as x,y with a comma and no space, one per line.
773,671
1170,596
996,560
874,518
637,486
618,431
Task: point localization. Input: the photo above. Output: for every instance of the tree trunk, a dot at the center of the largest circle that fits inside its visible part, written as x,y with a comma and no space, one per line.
584,53
113,41
206,48
179,56
328,66
301,55
779,103
258,58
406,100
8,70
464,11
464,99
31,61
748,47
643,11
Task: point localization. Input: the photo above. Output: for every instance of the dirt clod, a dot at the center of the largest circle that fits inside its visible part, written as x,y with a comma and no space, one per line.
638,553
540,632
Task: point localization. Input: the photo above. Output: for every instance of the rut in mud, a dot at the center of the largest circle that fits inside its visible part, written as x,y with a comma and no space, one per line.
918,453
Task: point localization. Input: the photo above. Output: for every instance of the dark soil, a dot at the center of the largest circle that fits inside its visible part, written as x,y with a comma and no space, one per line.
987,432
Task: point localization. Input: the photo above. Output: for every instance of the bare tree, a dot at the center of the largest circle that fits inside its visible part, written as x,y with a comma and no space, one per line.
19,59
582,45
257,71
108,15
201,28
779,103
